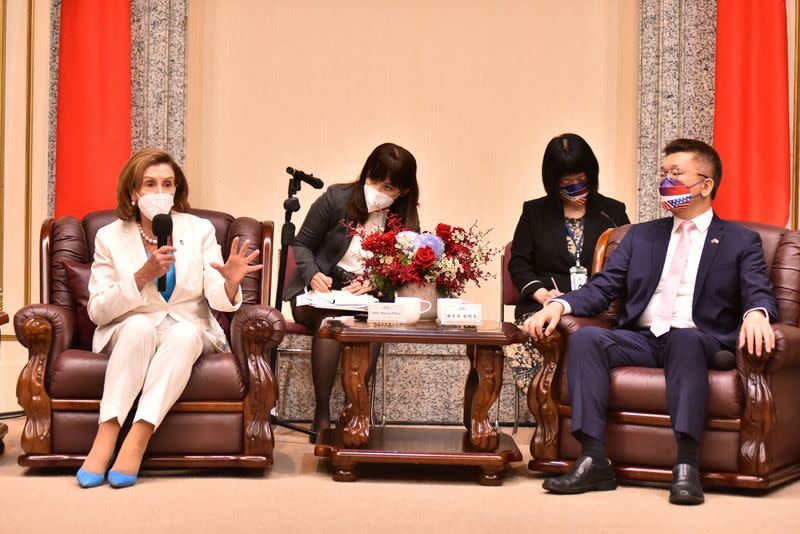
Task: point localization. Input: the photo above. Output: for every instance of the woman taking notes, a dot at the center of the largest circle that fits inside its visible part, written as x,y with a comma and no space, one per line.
327,255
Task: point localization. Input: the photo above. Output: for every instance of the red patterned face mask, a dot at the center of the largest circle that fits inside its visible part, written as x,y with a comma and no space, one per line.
675,195
575,193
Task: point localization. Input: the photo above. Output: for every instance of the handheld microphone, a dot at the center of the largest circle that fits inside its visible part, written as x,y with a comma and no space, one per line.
310,179
724,360
162,227
604,214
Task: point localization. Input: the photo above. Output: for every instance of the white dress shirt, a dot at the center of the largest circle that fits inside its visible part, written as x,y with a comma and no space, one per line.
682,313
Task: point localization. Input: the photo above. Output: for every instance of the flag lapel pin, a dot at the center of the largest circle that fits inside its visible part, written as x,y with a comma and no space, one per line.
714,241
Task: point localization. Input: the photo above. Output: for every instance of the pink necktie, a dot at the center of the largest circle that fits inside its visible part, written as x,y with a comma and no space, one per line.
666,306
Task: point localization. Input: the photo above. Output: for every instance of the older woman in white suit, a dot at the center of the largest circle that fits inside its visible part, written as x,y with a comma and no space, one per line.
153,338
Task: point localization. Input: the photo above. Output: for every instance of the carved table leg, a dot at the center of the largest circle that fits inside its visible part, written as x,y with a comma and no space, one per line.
469,387
488,365
354,419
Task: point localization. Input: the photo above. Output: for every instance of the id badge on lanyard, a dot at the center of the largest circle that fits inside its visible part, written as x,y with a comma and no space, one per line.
578,275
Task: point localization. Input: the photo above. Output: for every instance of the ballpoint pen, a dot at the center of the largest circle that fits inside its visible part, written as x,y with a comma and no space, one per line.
554,284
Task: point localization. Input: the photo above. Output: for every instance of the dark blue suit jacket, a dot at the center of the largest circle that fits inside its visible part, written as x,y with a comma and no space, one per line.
731,278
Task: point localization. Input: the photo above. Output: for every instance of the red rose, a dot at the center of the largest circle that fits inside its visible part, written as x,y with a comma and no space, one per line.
444,231
388,241
424,257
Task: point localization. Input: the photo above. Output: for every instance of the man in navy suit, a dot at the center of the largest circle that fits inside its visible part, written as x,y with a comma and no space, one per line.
693,285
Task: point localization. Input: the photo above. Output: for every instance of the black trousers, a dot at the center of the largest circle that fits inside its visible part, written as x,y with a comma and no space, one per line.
683,353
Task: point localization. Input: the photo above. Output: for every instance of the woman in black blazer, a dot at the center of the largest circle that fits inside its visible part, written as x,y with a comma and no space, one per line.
556,233
327,256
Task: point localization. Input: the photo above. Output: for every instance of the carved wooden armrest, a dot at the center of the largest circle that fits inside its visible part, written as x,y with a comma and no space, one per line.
29,327
255,331
543,391
543,397
760,414
45,330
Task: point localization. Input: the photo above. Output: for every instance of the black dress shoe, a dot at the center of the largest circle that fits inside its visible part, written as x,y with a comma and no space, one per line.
586,475
686,488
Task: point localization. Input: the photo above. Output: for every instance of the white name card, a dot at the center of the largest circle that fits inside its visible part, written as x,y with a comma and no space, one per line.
386,312
459,313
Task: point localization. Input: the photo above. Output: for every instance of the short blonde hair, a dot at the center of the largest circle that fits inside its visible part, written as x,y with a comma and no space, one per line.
130,179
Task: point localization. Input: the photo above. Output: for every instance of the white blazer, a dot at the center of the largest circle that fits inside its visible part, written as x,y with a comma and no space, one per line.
113,295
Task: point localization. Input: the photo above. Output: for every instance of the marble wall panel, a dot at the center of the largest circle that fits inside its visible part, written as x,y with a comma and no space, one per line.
676,84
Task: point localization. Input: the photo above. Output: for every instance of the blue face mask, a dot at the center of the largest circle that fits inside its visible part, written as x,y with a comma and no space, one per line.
575,193
676,195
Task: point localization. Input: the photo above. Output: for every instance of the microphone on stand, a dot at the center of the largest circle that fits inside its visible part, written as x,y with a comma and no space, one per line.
604,214
162,228
310,179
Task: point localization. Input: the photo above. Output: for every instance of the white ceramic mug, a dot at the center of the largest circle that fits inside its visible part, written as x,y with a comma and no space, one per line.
412,307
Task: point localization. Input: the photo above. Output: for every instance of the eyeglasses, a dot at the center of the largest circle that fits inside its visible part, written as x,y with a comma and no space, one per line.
676,173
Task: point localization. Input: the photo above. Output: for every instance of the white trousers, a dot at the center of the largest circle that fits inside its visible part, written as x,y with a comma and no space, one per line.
154,360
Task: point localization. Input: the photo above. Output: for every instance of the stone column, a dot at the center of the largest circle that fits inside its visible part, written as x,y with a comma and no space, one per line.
158,75
55,38
676,84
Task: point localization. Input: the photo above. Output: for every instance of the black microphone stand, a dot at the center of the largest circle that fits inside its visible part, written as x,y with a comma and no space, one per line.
290,205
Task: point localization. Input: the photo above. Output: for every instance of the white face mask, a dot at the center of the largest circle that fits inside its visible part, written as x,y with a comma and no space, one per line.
376,200
153,204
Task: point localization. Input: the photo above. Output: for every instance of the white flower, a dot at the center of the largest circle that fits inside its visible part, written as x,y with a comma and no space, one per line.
406,242
446,267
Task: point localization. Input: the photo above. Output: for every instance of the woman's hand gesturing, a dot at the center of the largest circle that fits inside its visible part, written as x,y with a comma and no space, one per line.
237,266
156,266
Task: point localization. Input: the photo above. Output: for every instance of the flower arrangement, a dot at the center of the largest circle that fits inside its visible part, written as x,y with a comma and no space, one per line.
448,259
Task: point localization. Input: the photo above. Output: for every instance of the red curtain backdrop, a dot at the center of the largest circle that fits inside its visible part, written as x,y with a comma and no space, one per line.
751,111
93,133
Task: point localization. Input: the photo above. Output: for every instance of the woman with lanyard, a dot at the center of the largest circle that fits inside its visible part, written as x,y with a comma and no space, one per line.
555,238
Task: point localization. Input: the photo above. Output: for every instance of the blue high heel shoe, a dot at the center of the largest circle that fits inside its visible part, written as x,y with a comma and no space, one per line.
87,479
121,480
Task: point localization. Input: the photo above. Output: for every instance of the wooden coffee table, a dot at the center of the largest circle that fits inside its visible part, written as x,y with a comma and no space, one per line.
3,426
353,441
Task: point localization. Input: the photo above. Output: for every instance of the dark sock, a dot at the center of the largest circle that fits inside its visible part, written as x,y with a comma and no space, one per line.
593,448
688,450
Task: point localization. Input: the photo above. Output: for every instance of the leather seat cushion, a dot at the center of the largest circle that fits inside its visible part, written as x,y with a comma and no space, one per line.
641,389
79,374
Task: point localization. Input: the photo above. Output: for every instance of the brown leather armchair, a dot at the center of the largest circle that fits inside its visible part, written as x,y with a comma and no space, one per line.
222,419
752,437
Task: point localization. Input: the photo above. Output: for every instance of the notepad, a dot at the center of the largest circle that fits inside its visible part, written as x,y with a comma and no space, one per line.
336,299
